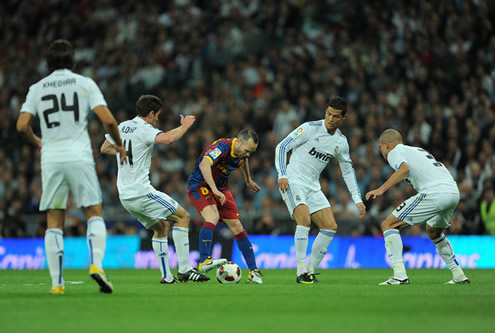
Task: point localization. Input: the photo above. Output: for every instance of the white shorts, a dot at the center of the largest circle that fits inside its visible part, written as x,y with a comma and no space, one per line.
299,195
80,177
151,208
435,209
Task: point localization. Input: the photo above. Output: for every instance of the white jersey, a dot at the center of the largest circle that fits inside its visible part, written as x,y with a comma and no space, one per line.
425,173
312,148
138,138
63,100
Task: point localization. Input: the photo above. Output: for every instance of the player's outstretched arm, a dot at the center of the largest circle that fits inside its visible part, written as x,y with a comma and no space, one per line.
396,177
24,127
175,134
111,127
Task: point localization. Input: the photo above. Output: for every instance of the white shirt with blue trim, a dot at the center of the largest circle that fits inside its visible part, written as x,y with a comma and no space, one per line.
312,148
62,100
138,138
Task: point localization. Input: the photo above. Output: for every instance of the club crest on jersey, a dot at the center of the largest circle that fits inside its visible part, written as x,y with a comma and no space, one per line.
336,150
298,198
215,153
299,131
321,156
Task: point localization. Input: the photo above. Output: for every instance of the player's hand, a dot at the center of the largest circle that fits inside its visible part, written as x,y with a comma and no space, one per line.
187,121
38,143
253,186
283,184
373,194
123,154
362,209
220,196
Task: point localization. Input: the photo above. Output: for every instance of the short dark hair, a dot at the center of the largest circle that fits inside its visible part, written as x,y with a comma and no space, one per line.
338,103
247,134
147,103
60,55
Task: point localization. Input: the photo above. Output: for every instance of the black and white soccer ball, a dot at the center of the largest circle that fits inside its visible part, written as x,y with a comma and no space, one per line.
229,273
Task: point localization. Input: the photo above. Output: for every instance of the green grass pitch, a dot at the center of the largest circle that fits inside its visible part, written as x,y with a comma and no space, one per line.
344,301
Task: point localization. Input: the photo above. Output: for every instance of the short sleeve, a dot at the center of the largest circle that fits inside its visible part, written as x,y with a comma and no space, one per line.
216,152
29,104
396,157
95,97
149,134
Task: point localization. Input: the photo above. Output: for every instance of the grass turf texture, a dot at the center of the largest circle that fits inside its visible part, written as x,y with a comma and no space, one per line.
344,301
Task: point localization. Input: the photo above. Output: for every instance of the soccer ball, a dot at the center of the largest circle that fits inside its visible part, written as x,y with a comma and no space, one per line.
229,273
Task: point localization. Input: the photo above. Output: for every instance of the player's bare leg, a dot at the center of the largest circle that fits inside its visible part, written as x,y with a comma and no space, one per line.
447,253
393,244
211,217
54,249
325,220
96,235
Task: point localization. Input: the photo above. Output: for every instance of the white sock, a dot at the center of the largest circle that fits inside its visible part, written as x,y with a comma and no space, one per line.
97,240
319,249
393,244
181,241
54,251
301,242
447,253
160,246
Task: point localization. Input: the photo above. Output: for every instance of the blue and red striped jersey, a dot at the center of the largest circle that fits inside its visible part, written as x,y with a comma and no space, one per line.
221,154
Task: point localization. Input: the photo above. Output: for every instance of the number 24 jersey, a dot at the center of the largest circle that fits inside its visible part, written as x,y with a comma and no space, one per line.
62,100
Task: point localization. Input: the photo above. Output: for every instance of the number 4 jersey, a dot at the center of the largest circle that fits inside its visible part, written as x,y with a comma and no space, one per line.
425,173
62,101
138,138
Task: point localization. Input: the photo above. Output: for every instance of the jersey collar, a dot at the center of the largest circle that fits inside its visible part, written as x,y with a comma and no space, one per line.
232,150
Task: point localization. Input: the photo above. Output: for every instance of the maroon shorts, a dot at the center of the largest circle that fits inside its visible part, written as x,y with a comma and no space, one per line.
202,197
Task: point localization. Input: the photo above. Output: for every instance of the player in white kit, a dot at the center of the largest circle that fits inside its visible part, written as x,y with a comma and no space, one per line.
151,207
434,204
63,100
313,144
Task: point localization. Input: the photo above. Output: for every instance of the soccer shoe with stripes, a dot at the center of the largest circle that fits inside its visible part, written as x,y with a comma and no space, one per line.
101,278
255,276
393,281
210,264
465,280
57,290
306,278
192,275
174,281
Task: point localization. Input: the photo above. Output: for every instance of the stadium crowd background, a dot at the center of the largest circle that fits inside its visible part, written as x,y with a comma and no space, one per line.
426,68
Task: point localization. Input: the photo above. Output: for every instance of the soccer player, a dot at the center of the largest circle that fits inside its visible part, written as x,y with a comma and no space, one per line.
434,204
209,193
313,144
151,207
63,100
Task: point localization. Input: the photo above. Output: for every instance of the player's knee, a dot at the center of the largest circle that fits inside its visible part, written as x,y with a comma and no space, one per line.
304,220
433,233
386,225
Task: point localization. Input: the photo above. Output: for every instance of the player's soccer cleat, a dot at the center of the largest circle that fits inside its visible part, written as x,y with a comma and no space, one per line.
393,281
100,277
306,278
57,290
210,264
465,280
313,275
193,275
255,276
174,281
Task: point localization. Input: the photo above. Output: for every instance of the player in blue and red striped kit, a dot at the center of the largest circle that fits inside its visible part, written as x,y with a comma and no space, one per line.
209,193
